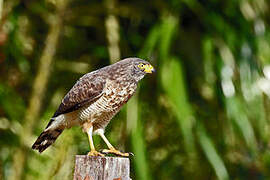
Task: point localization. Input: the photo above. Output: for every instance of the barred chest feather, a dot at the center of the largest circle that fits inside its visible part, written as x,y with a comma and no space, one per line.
115,95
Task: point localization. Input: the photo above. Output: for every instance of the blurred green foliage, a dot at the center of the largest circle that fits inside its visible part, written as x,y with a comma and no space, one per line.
203,115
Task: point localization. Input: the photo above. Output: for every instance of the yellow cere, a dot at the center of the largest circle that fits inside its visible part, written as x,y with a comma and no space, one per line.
146,67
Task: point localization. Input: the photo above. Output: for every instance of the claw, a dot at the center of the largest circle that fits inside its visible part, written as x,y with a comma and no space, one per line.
130,154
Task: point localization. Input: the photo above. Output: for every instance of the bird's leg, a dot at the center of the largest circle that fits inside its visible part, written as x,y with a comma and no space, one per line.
93,152
111,149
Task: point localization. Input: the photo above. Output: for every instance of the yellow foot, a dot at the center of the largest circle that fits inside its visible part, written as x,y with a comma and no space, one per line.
116,152
95,153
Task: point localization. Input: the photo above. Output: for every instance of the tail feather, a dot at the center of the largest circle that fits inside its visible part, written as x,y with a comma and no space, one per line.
46,138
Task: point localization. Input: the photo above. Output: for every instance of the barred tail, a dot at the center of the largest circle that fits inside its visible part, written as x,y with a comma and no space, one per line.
46,138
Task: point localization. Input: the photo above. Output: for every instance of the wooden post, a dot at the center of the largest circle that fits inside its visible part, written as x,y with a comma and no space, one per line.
101,168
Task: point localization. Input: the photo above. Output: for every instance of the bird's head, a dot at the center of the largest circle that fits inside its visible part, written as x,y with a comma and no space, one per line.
137,68
140,68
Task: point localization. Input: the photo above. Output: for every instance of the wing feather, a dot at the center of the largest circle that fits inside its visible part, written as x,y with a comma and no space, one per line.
86,90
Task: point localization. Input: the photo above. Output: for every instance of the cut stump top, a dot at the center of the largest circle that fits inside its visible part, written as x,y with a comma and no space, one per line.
101,168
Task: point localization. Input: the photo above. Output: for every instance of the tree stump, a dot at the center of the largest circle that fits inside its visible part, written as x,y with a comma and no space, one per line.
101,168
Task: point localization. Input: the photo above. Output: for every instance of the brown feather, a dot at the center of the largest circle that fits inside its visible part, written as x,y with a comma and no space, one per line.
86,90
45,139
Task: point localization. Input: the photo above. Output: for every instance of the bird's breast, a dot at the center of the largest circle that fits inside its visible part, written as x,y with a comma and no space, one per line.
115,95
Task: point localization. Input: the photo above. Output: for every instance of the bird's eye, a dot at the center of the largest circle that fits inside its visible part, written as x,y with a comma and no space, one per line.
141,66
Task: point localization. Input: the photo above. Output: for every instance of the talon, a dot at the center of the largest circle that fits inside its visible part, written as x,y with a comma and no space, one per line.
130,154
95,153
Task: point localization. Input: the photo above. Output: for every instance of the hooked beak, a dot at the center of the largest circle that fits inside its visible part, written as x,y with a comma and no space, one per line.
149,69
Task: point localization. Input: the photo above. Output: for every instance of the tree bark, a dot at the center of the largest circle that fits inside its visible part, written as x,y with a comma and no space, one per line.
101,168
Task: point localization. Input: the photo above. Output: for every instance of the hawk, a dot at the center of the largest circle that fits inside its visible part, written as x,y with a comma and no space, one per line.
93,101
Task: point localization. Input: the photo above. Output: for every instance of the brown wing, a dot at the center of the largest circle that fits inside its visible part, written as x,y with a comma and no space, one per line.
86,90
